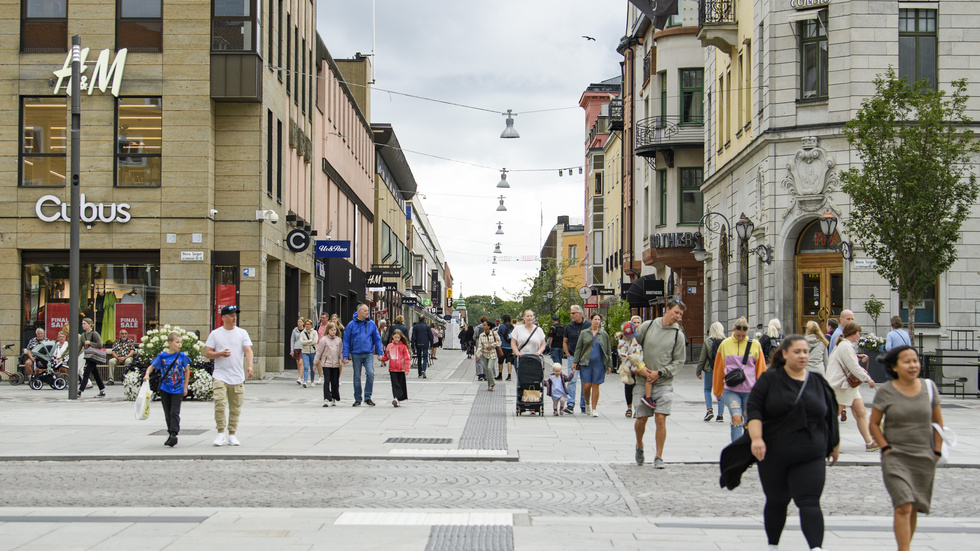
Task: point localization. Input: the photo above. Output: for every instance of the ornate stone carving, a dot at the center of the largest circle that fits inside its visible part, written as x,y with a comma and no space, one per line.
810,178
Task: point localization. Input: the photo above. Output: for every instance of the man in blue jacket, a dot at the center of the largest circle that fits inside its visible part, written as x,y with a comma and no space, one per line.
361,339
422,343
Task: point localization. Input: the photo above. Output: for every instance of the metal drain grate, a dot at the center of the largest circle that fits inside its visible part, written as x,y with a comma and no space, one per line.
419,441
183,432
471,538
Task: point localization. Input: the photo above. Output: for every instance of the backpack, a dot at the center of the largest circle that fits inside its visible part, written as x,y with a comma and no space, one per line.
772,344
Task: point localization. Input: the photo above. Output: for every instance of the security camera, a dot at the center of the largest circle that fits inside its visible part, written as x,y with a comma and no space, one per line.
273,217
214,212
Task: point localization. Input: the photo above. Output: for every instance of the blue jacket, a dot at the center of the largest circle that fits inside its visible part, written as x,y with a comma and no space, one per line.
421,335
362,337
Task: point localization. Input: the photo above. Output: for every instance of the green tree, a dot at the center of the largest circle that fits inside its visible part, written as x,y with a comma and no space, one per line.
873,307
617,315
914,190
550,279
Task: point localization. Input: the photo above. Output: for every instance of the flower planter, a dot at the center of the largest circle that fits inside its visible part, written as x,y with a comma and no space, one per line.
874,368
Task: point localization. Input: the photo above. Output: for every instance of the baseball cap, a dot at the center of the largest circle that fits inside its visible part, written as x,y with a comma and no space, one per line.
231,309
554,318
629,329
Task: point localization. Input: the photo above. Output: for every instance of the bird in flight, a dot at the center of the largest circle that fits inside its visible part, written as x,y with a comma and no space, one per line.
588,38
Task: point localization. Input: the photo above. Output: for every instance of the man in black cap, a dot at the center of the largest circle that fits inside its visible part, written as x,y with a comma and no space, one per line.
555,336
228,345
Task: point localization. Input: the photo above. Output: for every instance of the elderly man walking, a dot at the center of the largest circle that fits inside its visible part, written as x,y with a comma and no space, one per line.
846,316
569,341
361,339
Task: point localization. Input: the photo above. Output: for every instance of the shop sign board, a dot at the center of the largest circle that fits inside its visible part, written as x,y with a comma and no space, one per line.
409,301
332,249
129,316
104,75
298,240
90,212
804,4
55,317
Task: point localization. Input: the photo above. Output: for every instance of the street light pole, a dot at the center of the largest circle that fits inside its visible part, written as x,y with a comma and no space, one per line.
73,257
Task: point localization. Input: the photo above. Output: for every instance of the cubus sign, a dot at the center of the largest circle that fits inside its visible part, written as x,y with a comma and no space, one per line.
103,73
90,212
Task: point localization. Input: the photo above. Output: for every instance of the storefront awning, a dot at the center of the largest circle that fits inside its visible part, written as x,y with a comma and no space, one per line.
645,291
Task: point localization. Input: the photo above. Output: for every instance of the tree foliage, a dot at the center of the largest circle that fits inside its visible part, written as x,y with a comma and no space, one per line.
551,278
915,188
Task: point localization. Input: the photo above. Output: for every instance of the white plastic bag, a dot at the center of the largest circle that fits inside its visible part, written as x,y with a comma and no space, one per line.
144,398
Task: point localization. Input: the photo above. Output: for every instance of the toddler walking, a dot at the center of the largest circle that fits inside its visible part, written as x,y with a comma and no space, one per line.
555,386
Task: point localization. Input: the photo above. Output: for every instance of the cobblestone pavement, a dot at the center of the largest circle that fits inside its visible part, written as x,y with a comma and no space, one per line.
579,489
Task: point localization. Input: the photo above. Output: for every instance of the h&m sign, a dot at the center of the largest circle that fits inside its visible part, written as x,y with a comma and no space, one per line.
104,75
672,240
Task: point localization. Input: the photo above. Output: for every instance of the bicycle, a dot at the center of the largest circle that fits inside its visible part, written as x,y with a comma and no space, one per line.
14,378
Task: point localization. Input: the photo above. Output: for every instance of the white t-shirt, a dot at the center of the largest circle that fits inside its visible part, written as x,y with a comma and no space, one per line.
230,370
520,333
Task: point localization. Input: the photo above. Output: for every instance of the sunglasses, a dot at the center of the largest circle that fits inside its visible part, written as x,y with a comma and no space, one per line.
741,327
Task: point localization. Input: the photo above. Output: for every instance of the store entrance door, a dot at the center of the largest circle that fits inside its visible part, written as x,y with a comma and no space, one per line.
819,279
291,312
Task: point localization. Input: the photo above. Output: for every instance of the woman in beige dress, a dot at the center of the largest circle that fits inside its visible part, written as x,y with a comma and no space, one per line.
910,447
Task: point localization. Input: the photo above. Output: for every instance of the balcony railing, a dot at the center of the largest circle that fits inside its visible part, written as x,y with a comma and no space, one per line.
667,133
717,25
715,12
616,114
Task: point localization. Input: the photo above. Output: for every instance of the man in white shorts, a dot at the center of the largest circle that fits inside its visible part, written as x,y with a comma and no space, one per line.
228,345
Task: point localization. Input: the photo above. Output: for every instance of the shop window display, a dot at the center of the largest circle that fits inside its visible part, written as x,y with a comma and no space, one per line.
114,295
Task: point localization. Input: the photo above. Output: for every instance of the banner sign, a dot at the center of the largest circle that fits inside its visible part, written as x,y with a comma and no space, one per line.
129,316
224,295
332,249
55,317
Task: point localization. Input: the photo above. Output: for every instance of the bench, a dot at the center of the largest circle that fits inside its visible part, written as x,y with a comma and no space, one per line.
956,369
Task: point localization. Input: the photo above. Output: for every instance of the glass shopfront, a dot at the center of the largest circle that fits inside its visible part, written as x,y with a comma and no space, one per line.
118,290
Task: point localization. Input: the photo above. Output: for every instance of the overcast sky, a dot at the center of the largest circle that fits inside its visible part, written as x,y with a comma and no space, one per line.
522,55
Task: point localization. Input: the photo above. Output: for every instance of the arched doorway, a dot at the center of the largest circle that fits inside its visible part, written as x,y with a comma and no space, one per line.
819,278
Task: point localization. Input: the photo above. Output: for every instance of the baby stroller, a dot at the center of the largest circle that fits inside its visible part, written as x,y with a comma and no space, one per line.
44,372
530,373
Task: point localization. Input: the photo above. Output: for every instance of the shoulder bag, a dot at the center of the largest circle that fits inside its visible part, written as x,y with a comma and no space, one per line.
500,351
156,376
736,376
852,380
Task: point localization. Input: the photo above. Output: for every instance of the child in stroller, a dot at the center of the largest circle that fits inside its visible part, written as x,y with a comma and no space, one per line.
530,372
45,369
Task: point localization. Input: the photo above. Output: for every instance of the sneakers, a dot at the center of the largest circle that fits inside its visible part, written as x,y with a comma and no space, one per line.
369,402
233,441
595,413
649,402
720,418
299,381
424,376
583,410
326,403
395,402
709,416
508,376
333,403
171,441
313,383
101,394
570,410
843,416
658,463
639,456
304,384
498,378
319,381
556,413
356,403
221,440
588,409
871,447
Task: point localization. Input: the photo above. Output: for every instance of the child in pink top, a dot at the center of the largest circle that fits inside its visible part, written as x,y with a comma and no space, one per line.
399,363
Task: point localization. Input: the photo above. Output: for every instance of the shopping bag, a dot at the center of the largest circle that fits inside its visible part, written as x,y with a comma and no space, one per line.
143,399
